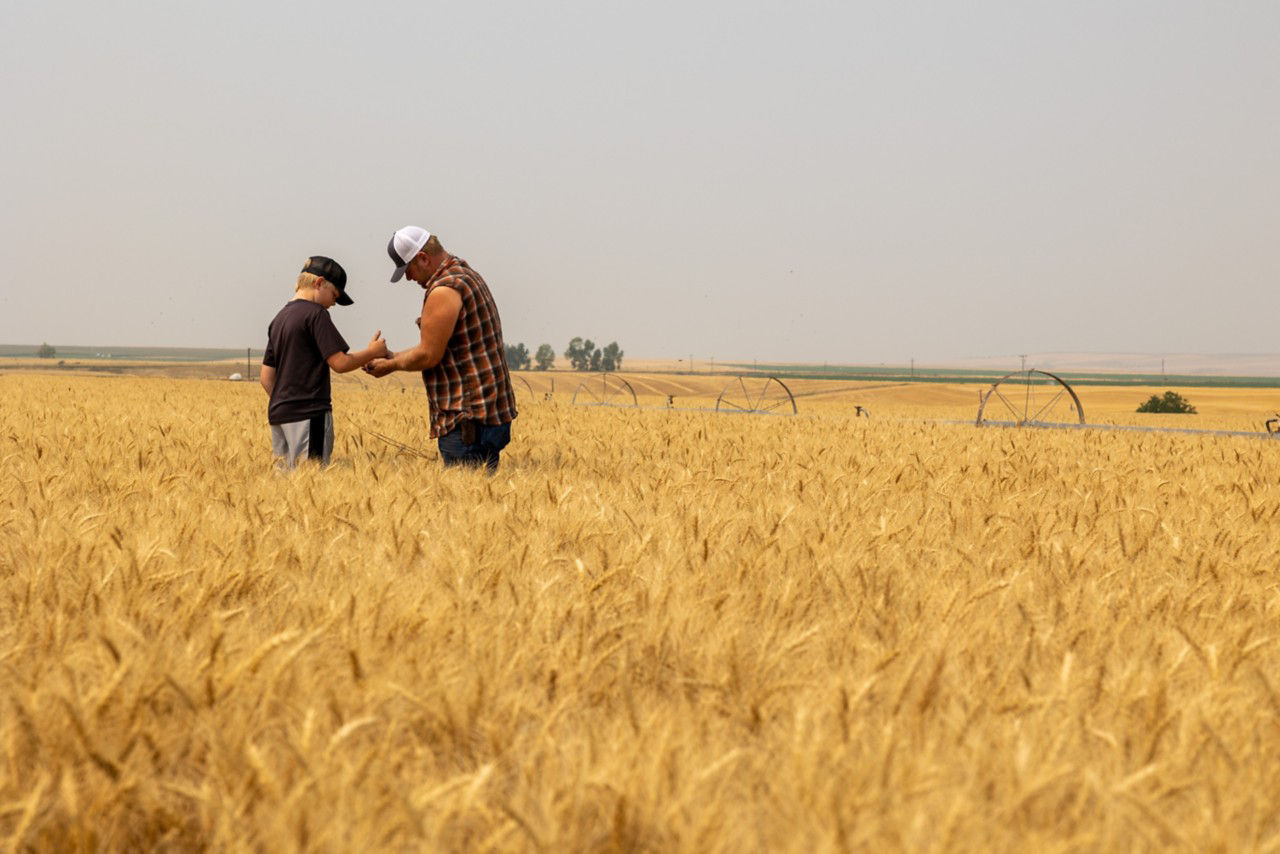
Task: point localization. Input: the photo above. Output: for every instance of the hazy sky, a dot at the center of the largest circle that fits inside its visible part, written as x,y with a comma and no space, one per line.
801,181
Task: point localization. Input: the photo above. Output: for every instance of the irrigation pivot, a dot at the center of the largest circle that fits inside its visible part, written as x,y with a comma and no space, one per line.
1033,398
1041,399
521,381
770,397
609,390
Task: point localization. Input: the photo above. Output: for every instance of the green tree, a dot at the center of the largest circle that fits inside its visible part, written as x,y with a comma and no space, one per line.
517,357
1171,402
574,352
46,351
580,354
544,358
584,355
611,357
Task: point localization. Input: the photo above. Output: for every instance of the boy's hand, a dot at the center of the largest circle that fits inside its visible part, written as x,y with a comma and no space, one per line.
378,346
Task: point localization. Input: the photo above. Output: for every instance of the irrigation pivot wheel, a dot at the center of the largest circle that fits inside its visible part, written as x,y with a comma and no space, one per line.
609,390
521,381
772,397
1032,398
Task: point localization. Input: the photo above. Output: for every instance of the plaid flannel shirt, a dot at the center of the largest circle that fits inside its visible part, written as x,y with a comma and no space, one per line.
471,381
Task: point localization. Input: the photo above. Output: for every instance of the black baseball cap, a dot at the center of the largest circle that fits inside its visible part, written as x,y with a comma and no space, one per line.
331,271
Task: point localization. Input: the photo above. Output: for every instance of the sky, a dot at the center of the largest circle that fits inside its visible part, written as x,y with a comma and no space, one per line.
848,182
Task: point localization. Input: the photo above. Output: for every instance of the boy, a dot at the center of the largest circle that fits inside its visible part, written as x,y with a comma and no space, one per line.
302,345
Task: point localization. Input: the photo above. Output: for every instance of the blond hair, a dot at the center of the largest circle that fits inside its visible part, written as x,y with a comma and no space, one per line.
307,281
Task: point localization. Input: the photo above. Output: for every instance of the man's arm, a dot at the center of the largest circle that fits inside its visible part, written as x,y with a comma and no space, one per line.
439,316
345,363
267,376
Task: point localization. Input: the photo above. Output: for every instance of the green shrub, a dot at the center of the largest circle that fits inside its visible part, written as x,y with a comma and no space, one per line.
1171,402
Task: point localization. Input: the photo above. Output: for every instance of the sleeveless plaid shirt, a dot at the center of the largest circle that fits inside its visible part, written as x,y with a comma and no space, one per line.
471,381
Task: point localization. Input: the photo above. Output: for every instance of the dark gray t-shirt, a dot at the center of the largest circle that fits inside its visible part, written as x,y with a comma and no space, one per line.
299,340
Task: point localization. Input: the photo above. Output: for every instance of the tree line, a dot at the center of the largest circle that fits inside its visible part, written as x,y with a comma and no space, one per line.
582,353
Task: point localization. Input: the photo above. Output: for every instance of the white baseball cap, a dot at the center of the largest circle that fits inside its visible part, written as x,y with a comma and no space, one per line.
404,245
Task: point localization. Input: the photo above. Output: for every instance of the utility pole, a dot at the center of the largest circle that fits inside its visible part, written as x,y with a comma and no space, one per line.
913,367
1023,357
1162,373
248,358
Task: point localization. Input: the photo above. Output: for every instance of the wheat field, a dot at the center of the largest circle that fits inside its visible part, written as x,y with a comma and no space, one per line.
652,630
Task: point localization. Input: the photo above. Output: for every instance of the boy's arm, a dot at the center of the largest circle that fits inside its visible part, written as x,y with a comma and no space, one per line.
267,376
344,363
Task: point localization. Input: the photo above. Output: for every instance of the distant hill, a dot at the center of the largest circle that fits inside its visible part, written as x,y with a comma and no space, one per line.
133,354
1182,364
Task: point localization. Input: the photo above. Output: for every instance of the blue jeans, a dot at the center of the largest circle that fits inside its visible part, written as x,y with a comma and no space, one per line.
483,450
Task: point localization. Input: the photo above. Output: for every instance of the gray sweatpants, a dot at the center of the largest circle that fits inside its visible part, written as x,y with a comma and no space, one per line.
310,439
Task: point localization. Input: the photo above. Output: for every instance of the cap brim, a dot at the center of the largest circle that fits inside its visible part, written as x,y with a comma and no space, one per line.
398,274
343,299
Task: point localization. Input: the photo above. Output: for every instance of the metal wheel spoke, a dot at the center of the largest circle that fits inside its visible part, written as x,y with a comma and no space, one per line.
755,403
1048,405
587,394
771,388
734,405
1007,403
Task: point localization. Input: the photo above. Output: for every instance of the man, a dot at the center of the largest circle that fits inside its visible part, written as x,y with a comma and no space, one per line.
302,346
459,352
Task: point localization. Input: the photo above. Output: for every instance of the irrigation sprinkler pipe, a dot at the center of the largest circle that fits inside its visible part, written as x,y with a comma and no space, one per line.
1131,428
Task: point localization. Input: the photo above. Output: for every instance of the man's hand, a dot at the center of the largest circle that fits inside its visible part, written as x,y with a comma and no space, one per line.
380,367
377,346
